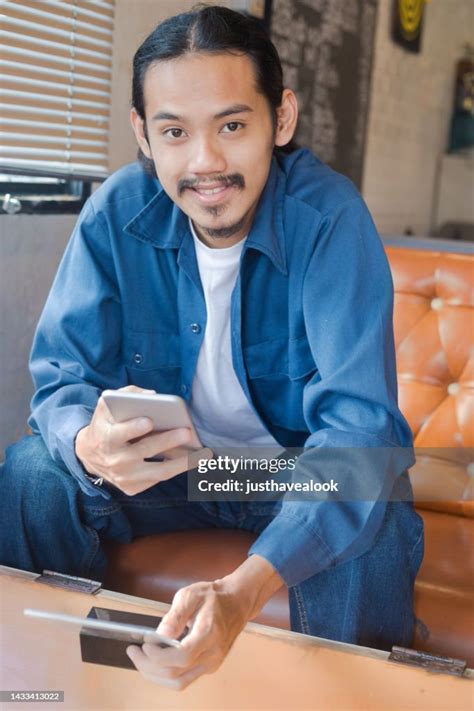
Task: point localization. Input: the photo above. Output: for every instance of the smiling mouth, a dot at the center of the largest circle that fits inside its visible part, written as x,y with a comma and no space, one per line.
211,195
210,191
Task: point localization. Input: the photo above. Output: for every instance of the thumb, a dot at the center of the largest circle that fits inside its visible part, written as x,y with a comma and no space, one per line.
184,605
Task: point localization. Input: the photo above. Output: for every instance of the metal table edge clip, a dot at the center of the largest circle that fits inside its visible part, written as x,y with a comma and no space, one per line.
431,662
69,582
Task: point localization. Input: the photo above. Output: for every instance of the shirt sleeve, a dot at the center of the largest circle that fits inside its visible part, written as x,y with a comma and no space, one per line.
76,353
350,404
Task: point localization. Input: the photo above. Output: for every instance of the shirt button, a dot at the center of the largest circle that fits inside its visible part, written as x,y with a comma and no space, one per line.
138,358
195,328
184,389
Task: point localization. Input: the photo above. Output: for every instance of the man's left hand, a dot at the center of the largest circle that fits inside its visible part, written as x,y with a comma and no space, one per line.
215,613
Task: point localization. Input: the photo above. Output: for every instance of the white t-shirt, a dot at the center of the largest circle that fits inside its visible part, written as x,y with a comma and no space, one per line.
219,408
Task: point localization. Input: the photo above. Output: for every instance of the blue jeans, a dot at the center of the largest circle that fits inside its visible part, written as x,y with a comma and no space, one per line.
48,522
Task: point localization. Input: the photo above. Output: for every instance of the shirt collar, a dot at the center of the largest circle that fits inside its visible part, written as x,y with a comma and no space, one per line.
161,223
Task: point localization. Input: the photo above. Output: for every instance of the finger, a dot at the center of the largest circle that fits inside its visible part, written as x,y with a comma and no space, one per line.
185,604
149,474
173,666
172,661
165,676
158,443
194,455
168,657
146,666
198,454
188,677
161,471
120,434
101,410
180,681
175,453
163,662
201,627
138,477
137,656
136,389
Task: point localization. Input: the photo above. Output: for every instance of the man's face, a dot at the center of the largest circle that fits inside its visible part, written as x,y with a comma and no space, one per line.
211,137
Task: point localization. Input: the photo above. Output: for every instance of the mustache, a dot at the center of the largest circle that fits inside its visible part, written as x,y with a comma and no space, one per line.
234,179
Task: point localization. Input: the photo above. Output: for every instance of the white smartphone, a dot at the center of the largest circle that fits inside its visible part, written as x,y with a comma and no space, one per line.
167,412
135,634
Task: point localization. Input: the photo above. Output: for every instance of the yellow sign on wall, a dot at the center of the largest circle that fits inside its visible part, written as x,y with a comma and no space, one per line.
407,23
410,14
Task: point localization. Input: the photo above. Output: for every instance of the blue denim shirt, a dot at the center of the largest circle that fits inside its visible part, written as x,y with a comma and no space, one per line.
311,329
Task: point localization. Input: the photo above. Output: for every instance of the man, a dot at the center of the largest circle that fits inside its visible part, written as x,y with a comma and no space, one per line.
249,279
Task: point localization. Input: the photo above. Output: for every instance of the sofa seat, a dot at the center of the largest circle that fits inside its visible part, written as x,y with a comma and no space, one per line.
155,567
444,591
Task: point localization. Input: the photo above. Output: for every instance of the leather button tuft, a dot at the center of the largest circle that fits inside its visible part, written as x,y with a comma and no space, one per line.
453,388
138,358
437,304
195,328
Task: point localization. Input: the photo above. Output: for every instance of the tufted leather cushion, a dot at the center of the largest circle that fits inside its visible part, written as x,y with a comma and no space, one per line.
434,325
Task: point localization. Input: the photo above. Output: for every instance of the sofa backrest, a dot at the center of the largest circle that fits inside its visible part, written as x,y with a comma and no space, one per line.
434,327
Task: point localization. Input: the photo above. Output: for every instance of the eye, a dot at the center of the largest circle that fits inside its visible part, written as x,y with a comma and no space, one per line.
232,126
174,132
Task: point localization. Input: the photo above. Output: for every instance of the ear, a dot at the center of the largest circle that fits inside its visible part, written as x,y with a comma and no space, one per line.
138,126
287,117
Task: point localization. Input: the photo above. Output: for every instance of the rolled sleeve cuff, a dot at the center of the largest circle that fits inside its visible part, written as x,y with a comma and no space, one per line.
65,443
293,549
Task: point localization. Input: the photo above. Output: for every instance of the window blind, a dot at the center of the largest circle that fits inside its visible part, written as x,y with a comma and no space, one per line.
55,72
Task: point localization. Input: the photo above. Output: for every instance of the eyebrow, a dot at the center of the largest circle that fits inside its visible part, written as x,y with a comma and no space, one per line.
235,109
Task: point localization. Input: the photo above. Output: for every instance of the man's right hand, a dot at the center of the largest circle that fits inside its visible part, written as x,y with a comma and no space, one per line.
117,451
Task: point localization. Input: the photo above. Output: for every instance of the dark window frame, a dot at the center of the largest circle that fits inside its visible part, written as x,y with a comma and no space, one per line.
48,193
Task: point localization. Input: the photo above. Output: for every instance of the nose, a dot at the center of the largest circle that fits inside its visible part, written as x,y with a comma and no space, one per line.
206,156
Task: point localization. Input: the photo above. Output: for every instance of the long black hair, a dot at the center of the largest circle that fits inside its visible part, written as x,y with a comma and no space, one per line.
210,29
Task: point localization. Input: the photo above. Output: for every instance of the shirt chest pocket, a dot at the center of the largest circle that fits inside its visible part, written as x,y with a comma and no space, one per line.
153,360
278,371
280,357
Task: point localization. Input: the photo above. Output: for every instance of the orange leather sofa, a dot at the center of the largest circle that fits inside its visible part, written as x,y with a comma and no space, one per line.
433,323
